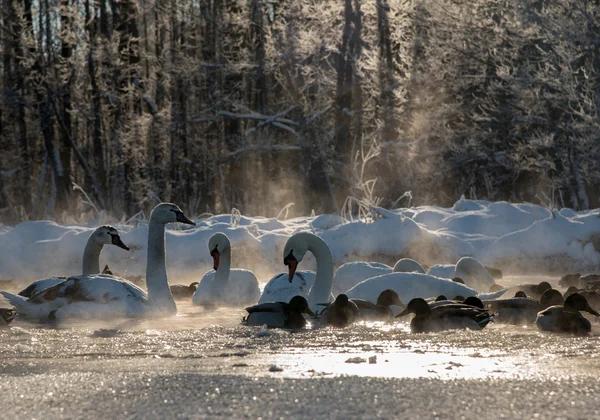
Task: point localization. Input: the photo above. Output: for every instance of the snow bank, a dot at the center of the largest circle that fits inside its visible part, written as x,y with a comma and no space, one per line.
511,237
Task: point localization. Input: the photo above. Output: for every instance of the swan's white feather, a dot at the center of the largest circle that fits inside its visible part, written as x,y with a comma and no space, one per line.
409,286
279,289
84,297
242,288
39,285
350,274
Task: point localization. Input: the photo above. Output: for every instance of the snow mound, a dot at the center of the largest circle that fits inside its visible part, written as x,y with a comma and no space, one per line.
519,237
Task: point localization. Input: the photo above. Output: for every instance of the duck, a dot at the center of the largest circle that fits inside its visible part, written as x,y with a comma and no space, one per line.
445,317
592,296
589,282
569,279
379,311
6,316
413,285
341,313
551,297
532,290
469,269
456,302
101,296
316,290
183,291
518,310
279,314
103,235
224,286
567,318
350,274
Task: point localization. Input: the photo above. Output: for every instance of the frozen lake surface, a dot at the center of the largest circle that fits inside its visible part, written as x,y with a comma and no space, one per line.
203,363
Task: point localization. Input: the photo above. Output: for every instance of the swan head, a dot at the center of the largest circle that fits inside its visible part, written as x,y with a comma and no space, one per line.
169,213
218,244
294,251
108,235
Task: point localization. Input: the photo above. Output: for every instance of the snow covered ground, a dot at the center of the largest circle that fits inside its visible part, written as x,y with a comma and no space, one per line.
516,238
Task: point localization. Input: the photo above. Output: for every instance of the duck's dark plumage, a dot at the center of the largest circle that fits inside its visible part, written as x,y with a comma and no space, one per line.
181,291
567,318
445,317
340,313
380,311
279,314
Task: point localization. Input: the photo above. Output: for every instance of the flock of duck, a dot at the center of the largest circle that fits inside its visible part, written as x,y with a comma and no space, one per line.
446,297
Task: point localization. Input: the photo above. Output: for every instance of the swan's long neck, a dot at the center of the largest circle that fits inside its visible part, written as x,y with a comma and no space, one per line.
159,294
321,289
91,257
222,274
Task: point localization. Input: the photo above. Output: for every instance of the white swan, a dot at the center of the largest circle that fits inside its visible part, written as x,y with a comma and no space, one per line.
224,286
282,288
413,285
467,268
105,297
350,274
104,235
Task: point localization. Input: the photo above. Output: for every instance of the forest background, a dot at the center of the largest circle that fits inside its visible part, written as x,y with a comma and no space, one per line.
108,107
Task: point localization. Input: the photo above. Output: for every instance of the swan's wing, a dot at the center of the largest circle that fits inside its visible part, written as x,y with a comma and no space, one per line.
408,286
350,274
243,287
84,297
279,289
39,285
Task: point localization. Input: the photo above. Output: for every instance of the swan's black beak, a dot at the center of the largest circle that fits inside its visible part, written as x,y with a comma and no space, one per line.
181,218
116,240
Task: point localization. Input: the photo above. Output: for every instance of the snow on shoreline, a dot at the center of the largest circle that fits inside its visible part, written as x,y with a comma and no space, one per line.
512,237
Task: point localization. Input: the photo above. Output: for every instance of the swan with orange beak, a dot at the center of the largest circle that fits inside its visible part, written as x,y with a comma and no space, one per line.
316,288
224,286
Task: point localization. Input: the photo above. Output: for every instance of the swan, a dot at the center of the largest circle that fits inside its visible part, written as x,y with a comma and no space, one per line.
316,288
104,235
413,285
279,314
567,318
350,274
445,317
107,297
468,269
224,286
